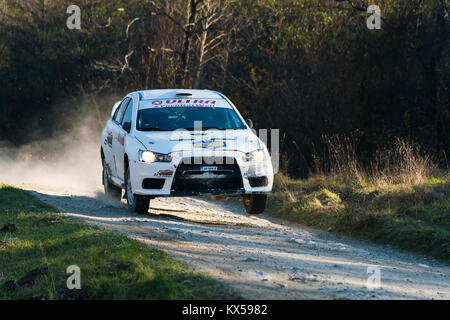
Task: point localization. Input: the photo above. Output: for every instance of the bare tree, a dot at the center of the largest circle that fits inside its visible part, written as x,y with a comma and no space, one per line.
212,39
198,31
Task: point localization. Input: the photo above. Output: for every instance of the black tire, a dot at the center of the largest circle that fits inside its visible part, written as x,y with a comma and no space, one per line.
135,204
255,203
111,190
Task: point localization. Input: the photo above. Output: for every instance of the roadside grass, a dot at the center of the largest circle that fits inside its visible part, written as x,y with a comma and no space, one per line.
112,265
410,216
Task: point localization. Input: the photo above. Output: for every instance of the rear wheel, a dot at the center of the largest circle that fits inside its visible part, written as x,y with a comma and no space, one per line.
135,204
255,203
110,189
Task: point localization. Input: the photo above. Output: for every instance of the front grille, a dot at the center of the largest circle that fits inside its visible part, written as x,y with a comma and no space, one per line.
190,179
258,182
150,183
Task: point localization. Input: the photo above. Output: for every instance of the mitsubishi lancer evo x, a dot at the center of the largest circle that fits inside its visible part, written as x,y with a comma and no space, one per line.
177,142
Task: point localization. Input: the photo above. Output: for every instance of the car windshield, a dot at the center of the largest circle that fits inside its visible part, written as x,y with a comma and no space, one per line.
173,118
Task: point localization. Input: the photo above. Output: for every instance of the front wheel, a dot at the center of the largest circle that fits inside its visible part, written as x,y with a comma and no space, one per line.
255,203
135,204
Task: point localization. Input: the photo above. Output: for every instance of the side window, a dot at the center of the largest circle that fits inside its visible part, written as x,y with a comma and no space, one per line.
128,112
120,109
115,113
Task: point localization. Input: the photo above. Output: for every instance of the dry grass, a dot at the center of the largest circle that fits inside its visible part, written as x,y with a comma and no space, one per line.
403,163
342,158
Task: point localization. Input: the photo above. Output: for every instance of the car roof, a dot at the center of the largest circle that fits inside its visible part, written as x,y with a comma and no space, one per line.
179,93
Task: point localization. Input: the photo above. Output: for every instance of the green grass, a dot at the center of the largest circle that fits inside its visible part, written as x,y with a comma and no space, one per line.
112,266
410,217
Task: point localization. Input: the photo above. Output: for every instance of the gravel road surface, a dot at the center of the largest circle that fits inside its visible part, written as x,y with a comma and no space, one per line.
260,256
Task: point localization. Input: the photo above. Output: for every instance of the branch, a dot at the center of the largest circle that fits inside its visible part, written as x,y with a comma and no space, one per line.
126,65
133,51
209,47
130,24
164,50
164,13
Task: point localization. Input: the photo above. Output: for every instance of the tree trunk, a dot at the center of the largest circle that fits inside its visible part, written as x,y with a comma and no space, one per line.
201,56
185,56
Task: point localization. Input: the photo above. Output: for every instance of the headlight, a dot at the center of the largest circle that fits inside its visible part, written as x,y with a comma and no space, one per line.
257,155
151,157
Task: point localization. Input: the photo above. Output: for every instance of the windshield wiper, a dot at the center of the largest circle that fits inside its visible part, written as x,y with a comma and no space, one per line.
205,128
152,129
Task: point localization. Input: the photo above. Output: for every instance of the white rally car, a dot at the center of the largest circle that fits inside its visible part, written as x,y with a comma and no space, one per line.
176,142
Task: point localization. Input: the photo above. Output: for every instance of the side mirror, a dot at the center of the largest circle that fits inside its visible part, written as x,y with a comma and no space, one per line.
114,108
127,126
249,123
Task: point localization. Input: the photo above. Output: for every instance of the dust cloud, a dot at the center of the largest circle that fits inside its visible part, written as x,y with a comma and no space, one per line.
69,160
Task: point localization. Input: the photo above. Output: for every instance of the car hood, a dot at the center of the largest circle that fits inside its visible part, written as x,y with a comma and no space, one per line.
218,140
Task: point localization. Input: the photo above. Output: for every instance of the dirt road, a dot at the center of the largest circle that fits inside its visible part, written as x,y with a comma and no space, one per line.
261,257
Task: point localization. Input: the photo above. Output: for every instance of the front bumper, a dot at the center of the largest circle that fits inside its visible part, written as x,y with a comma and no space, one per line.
183,177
